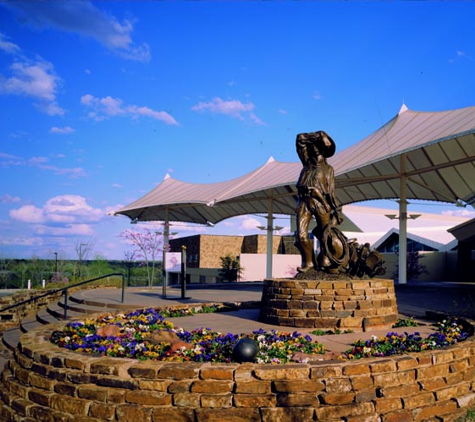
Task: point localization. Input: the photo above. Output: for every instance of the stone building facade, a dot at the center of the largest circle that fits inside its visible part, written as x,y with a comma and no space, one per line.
204,252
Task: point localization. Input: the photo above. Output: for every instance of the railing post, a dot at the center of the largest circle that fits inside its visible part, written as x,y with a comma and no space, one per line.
183,272
65,314
123,287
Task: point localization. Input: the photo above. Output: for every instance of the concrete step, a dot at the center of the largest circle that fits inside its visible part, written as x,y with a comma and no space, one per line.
11,338
29,323
78,297
44,317
57,311
87,308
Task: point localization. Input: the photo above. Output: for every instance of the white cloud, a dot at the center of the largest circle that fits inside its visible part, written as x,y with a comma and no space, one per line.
62,130
460,55
7,46
8,199
232,108
60,216
8,160
317,96
85,19
31,78
250,223
102,108
460,213
71,230
28,214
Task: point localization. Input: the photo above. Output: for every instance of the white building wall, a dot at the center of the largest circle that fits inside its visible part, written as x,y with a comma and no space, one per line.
283,266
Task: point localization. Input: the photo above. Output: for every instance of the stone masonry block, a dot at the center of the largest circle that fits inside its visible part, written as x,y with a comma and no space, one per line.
254,400
148,398
133,412
297,386
252,387
433,371
183,371
384,405
435,411
297,400
287,414
170,414
71,405
186,400
92,392
336,398
212,386
361,382
102,411
282,372
182,386
419,400
218,372
243,414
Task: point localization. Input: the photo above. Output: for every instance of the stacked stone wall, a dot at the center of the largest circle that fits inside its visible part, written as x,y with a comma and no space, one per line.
12,317
358,305
45,383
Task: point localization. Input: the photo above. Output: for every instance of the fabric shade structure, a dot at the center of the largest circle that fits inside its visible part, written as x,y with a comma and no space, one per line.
416,155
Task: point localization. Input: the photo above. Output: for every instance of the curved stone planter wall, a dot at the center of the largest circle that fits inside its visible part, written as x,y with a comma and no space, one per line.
359,305
45,383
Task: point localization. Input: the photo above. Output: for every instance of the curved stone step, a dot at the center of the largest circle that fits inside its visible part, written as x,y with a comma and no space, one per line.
44,317
11,338
29,323
77,297
58,312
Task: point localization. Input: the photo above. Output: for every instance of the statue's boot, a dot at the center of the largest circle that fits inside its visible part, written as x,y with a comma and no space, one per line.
306,250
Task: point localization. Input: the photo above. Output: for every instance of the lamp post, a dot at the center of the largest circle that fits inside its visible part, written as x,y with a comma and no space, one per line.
402,217
270,243
56,265
80,258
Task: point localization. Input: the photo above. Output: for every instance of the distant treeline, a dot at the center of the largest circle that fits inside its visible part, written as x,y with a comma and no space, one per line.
15,273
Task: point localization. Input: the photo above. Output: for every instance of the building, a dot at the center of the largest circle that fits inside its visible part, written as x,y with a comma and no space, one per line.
429,234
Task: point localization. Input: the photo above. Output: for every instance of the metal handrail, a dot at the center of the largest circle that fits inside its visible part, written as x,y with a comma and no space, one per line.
65,290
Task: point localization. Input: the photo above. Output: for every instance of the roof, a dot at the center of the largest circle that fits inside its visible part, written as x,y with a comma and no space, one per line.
427,228
433,151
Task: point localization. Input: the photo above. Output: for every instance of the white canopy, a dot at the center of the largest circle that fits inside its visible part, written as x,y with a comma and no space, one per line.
416,155
435,151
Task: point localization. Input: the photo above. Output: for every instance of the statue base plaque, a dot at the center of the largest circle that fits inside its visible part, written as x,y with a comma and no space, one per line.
359,305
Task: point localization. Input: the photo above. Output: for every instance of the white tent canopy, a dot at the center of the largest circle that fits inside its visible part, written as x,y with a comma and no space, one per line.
416,155
439,164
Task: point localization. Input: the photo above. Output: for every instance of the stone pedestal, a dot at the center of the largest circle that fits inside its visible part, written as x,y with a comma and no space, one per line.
358,305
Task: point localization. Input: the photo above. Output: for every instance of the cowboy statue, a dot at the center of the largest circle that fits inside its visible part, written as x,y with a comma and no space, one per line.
316,199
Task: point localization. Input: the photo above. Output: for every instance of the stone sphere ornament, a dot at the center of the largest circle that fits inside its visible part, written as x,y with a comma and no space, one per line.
245,350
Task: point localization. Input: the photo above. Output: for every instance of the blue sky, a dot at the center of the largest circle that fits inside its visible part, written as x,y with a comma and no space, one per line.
100,100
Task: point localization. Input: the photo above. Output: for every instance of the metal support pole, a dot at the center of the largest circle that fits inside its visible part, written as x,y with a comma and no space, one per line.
183,272
270,242
166,239
65,312
402,260
123,288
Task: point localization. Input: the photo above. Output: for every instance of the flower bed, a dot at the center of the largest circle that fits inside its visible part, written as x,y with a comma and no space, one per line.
134,338
135,335
448,332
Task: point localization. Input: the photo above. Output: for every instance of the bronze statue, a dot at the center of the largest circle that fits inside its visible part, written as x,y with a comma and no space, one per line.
316,198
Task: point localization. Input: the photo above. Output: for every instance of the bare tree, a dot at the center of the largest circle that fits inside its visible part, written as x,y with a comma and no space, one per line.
83,250
148,245
129,261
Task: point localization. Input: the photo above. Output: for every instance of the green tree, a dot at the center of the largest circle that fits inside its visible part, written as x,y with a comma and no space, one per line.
99,266
231,268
